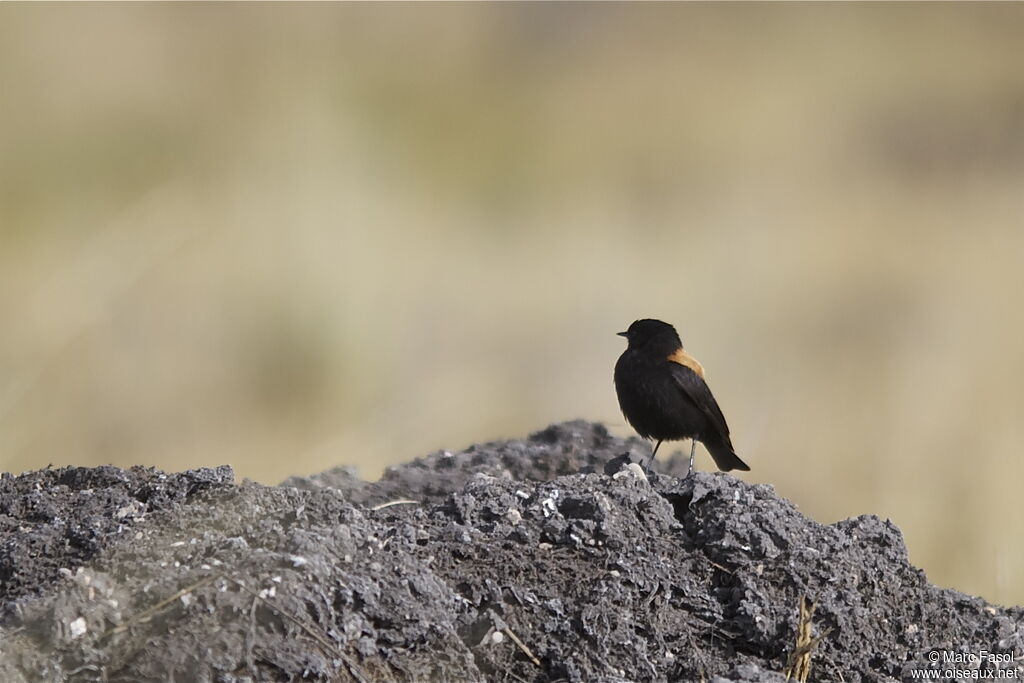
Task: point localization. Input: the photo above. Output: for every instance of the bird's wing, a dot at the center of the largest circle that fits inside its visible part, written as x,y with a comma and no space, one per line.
696,389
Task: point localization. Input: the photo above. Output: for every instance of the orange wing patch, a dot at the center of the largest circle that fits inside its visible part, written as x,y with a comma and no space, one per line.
683,358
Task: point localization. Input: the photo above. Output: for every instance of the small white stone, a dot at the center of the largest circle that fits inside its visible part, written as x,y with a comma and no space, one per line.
497,637
300,561
77,628
637,471
187,599
631,470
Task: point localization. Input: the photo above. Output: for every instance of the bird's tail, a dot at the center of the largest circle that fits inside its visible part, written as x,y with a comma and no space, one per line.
725,457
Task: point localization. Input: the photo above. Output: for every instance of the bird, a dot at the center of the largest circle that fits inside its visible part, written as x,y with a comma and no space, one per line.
663,395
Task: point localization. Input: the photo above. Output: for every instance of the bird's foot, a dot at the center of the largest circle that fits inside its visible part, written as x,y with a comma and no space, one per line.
693,451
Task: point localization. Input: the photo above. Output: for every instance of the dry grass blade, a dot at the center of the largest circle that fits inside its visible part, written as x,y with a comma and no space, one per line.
403,501
522,646
310,630
798,665
147,613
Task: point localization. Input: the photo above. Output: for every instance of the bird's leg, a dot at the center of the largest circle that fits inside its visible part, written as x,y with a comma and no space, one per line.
650,461
693,449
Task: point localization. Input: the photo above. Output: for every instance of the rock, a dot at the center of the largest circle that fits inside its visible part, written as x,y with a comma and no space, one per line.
520,560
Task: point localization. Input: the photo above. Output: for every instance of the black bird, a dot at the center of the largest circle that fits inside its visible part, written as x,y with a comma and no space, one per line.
663,394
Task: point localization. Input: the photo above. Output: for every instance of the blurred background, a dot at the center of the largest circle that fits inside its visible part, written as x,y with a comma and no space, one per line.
294,237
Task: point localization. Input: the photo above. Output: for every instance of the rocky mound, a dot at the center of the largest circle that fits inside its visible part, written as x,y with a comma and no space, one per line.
545,559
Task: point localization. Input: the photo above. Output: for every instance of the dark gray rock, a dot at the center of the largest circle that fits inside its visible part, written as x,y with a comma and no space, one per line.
521,560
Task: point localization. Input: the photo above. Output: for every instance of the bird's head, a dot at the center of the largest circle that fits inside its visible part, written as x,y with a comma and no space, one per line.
652,336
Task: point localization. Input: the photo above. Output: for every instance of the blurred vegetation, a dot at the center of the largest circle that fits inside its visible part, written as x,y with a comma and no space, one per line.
288,238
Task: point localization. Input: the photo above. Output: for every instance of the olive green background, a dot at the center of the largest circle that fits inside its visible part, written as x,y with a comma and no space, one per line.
292,237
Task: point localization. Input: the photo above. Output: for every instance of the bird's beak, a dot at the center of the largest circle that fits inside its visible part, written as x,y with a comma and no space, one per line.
622,334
